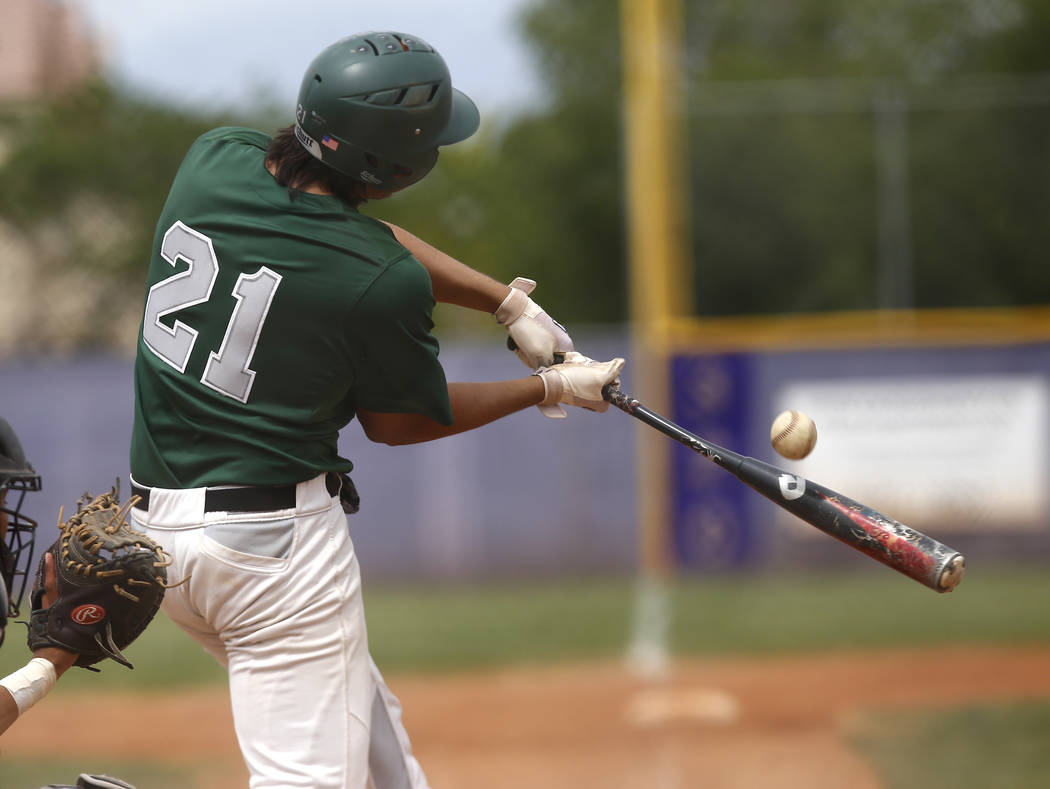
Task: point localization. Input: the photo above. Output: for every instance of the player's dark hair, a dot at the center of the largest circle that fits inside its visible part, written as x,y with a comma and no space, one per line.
295,167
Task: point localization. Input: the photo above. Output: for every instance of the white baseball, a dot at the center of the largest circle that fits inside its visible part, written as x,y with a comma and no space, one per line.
793,435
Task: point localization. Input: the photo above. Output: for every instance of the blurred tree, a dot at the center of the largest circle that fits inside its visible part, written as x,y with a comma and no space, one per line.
541,197
95,151
784,163
785,153
788,185
84,177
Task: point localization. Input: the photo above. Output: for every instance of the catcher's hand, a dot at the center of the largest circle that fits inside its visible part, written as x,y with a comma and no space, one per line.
110,583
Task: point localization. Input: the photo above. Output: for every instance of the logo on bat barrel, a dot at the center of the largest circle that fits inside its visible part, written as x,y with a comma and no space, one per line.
88,614
792,488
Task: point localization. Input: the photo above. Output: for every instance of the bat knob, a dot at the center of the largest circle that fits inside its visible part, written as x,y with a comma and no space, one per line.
513,346
951,574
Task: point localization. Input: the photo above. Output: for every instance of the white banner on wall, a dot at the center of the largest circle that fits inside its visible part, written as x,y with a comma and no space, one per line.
958,453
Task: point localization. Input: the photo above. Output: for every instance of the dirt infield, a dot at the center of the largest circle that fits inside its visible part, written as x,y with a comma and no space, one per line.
778,723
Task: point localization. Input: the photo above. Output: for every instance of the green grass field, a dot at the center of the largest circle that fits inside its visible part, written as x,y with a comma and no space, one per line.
449,628
457,628
991,746
16,774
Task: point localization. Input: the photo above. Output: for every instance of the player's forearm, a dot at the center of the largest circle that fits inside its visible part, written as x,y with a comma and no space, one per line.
473,405
453,282
8,710
477,404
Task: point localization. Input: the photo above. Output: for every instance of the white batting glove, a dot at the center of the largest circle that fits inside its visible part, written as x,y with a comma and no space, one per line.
579,381
535,337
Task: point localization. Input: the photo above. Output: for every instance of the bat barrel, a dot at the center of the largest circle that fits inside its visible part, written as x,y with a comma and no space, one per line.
884,539
900,547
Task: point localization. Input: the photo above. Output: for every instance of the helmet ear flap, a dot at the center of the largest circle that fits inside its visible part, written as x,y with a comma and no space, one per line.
414,170
384,173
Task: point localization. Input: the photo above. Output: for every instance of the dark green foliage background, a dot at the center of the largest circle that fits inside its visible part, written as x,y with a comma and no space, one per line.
540,192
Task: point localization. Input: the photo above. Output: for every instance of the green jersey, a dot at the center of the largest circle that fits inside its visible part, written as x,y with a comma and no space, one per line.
268,322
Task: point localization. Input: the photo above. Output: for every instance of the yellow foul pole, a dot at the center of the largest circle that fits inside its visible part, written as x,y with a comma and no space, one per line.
659,277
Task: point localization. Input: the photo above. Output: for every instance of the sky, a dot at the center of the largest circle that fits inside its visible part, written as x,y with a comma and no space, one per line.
229,54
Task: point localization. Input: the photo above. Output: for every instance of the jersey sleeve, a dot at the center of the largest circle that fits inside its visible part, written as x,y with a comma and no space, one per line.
397,369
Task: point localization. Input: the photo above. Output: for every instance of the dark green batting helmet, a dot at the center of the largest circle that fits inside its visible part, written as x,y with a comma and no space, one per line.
377,106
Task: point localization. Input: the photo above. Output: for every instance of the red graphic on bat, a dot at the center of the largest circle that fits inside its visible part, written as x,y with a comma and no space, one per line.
886,537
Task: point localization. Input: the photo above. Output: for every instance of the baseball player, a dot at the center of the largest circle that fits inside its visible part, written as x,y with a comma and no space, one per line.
25,687
275,314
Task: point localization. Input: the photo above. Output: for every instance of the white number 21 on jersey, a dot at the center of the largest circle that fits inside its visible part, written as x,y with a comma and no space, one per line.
228,370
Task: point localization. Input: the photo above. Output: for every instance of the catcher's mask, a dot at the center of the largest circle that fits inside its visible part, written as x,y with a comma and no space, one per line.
17,478
377,106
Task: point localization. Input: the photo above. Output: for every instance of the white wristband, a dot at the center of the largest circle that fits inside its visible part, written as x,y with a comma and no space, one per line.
516,302
553,386
30,683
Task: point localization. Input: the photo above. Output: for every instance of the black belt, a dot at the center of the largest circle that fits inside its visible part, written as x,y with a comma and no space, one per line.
255,498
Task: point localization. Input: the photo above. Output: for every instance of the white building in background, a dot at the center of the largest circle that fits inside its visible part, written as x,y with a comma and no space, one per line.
44,48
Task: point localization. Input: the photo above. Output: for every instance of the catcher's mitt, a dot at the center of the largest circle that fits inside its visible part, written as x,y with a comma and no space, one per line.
110,578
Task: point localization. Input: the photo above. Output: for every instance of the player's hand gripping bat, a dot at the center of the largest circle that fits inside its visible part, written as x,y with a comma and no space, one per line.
904,549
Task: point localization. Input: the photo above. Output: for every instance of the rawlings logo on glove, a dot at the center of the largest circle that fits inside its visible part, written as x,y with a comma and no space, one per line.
110,583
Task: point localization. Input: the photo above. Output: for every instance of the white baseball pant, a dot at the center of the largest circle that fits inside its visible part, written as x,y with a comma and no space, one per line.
275,597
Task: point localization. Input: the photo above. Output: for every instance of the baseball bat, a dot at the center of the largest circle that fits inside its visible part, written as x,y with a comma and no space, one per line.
885,540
